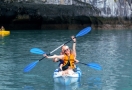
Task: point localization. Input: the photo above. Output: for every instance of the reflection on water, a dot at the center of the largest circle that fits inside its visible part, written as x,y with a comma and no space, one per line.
56,86
73,86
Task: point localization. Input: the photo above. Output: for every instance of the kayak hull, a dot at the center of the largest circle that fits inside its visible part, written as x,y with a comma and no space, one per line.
4,33
67,79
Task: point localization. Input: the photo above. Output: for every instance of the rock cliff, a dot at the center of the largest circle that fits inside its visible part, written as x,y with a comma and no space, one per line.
36,15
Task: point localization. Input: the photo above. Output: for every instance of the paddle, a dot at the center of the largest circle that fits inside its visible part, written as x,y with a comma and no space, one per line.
33,64
91,65
37,51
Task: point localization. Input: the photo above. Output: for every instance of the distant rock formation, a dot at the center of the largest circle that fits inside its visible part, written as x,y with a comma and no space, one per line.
48,16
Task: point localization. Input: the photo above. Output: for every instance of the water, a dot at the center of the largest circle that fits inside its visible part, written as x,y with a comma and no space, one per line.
109,48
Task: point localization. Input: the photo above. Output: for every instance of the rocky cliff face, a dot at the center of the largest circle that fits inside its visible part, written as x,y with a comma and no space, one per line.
65,14
107,8
115,8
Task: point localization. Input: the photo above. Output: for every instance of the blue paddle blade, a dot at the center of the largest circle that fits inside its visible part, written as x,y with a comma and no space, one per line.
37,51
84,31
94,66
30,66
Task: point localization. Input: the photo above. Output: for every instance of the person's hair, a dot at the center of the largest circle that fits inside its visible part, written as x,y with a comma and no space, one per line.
71,51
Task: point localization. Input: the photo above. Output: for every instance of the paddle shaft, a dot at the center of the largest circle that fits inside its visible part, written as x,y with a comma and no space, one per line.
60,46
56,49
83,63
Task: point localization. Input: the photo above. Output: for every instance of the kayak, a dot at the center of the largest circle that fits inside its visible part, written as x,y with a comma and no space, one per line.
4,33
67,79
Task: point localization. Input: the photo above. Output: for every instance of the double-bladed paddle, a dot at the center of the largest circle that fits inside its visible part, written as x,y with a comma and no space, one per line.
33,64
91,65
37,51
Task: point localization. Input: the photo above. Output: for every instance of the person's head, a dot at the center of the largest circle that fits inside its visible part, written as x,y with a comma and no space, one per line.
65,49
2,27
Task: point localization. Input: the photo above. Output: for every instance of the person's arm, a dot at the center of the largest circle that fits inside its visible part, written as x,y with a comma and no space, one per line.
54,56
76,61
74,45
61,65
55,59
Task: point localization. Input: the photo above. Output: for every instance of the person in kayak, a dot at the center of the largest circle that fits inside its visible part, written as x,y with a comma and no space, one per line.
2,28
59,60
61,64
68,57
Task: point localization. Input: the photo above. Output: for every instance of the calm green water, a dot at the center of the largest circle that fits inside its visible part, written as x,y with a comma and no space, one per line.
112,49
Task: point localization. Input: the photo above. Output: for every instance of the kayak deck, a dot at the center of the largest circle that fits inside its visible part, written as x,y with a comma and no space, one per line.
67,79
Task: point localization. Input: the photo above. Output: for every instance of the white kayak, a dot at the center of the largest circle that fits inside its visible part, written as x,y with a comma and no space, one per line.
67,79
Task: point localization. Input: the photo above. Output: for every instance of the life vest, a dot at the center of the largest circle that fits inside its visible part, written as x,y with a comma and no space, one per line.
69,59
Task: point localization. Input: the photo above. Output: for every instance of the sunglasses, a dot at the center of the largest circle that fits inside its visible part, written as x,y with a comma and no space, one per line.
66,50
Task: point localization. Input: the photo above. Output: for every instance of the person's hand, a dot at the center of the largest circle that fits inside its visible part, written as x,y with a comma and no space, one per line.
76,61
73,38
45,55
